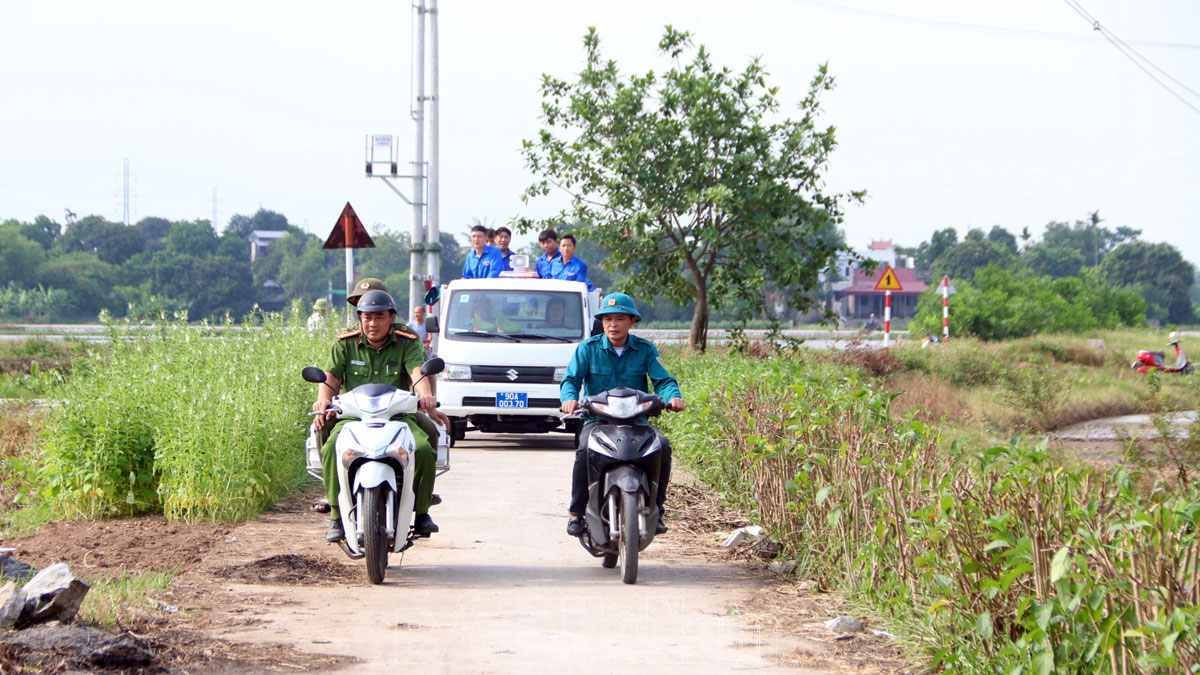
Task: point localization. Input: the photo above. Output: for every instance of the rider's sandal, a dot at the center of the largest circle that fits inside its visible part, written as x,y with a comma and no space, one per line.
321,506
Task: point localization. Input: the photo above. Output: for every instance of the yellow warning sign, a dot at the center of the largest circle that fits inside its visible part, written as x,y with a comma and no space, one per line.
888,282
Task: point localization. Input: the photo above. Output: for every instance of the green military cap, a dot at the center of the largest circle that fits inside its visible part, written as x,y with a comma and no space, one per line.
321,304
362,286
618,303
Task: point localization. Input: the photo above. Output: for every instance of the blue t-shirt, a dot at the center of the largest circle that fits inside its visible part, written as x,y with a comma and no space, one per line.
574,269
543,265
490,264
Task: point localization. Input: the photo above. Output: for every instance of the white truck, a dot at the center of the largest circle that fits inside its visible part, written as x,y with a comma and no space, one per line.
506,343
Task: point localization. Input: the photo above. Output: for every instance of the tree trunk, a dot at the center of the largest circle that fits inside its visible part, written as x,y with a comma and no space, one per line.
698,338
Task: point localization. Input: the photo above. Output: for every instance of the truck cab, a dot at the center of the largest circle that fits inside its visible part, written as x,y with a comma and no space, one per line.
507,343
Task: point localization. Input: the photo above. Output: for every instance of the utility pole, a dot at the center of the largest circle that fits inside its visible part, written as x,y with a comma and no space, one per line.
416,287
434,246
125,219
382,150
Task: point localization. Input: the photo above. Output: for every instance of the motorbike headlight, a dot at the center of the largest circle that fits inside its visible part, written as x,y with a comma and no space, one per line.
626,406
456,372
398,451
350,455
560,373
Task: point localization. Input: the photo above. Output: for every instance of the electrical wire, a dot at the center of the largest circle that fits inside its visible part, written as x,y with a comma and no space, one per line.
1136,58
979,27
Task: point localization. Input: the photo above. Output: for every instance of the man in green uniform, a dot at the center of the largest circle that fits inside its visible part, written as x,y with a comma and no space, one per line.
383,353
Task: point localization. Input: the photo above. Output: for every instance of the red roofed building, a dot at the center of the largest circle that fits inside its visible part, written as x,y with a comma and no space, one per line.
859,300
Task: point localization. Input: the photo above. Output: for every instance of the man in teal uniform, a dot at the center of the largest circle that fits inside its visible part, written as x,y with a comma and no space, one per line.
615,358
384,354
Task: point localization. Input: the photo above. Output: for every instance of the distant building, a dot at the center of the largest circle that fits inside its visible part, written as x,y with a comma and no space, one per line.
261,239
858,299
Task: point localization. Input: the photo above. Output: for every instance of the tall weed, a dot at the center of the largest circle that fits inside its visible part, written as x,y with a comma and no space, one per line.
184,420
987,559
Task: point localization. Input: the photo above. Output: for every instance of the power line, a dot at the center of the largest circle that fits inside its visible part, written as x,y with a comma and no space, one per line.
1132,54
982,28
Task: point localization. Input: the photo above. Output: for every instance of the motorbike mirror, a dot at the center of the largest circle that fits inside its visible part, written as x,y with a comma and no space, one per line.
433,366
433,295
313,374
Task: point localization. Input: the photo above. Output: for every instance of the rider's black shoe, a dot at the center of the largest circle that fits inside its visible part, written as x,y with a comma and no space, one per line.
424,526
435,500
575,526
335,532
661,528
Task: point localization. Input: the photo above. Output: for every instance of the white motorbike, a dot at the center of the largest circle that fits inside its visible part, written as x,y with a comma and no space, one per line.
375,469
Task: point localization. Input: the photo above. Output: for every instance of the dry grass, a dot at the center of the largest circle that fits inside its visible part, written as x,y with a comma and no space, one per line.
20,437
877,362
929,398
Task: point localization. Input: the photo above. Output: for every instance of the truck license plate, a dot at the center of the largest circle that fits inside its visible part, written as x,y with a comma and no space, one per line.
512,399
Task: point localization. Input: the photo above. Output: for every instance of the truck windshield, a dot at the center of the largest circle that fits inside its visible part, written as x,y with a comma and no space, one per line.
475,313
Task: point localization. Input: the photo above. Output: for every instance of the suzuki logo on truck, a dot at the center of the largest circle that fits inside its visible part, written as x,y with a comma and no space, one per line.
512,374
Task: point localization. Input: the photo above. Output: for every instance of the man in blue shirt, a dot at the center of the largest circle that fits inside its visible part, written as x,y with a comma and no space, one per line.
548,240
607,361
503,239
568,266
482,261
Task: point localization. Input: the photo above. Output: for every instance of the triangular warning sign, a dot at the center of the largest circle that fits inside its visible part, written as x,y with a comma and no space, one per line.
349,232
888,282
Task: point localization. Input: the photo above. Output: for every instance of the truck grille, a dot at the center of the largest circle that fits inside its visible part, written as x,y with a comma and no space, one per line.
490,402
504,374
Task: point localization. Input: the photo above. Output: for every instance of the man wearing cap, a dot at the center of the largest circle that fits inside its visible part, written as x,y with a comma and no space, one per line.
362,286
615,358
482,261
316,320
385,352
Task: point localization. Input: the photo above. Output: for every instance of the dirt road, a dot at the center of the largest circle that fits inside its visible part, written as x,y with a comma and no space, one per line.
503,589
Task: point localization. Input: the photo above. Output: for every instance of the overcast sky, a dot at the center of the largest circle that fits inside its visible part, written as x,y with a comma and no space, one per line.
949,113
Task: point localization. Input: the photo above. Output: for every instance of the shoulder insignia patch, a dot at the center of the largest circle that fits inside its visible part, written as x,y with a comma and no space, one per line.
403,330
348,334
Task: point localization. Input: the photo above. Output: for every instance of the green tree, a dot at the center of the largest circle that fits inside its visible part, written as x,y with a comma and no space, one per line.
999,235
20,254
1002,304
111,242
195,239
686,173
1087,237
1054,261
43,230
939,243
961,261
1144,265
86,278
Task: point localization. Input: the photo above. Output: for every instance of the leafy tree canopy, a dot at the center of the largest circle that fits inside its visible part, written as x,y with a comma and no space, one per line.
961,261
1054,261
691,177
1144,265
1088,237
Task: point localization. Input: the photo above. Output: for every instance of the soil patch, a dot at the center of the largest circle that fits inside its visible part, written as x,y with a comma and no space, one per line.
290,568
109,548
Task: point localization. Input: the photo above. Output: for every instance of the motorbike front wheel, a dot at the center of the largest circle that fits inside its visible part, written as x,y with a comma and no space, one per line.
630,537
374,522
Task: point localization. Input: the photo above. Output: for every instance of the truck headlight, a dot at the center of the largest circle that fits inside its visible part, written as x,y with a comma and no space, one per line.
456,372
559,374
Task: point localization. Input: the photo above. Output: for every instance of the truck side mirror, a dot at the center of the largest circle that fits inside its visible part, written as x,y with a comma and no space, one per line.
431,324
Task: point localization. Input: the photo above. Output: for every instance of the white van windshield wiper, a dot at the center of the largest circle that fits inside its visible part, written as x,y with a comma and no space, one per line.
480,333
540,336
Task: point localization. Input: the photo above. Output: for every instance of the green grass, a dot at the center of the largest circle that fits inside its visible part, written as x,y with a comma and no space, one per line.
124,599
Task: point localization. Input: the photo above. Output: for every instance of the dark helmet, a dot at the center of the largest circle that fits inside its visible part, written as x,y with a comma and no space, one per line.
376,301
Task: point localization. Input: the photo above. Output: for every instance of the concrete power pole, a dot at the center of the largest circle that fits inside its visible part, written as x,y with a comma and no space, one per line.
434,247
416,289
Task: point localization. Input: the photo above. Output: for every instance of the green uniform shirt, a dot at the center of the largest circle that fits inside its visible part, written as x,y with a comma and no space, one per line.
355,362
595,368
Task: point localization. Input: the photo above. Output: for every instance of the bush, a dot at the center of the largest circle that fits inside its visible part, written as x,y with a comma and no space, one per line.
997,559
184,420
1001,304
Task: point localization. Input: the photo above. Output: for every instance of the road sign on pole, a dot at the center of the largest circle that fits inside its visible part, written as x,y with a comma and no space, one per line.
349,234
888,281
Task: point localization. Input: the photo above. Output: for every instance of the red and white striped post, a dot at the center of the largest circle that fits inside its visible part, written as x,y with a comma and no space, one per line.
887,317
945,308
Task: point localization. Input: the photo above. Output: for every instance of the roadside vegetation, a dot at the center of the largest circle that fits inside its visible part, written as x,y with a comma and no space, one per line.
916,483
178,420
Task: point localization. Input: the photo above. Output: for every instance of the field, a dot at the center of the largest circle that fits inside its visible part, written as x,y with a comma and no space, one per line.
919,483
